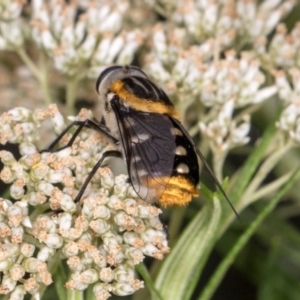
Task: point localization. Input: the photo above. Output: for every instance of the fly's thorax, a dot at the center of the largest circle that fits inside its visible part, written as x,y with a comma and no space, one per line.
103,86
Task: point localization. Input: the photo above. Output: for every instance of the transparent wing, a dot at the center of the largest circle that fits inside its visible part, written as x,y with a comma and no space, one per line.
149,146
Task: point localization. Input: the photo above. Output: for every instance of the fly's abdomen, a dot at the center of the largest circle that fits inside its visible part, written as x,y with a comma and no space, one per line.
182,184
179,191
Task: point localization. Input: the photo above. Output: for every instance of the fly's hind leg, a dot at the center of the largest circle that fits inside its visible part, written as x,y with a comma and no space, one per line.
114,153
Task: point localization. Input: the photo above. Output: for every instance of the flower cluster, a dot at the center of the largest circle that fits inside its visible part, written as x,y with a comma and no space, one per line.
284,48
11,25
232,83
219,62
222,85
190,70
74,36
102,238
228,21
92,39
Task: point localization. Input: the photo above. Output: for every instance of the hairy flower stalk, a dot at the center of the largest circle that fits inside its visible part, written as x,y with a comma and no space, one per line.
101,238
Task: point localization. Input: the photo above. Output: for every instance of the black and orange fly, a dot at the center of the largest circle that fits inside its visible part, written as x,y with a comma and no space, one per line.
143,124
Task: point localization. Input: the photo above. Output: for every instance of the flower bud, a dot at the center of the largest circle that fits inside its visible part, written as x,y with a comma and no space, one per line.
54,241
31,285
17,272
5,264
106,275
45,254
101,291
89,276
18,293
99,226
27,249
122,289
27,148
17,234
9,284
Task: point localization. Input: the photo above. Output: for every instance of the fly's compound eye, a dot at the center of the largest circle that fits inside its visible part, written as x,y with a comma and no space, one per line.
114,73
105,74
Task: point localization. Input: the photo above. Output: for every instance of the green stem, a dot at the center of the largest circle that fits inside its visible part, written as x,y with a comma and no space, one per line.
41,76
227,261
161,10
183,105
40,209
246,173
30,240
143,271
277,142
59,280
218,161
211,115
44,81
270,188
194,130
89,294
247,111
263,171
71,94
74,295
31,66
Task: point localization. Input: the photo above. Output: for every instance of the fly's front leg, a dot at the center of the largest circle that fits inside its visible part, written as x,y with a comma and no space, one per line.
81,124
102,129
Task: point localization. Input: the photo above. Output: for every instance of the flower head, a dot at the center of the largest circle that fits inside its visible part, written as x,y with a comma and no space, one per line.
101,238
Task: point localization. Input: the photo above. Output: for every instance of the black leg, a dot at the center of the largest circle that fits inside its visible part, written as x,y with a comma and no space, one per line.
81,124
115,153
165,227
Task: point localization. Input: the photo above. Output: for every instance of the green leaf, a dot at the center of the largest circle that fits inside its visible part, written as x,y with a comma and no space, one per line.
89,294
180,271
279,282
227,261
280,277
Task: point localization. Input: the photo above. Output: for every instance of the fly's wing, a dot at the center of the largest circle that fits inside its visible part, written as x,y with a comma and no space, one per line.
149,149
206,165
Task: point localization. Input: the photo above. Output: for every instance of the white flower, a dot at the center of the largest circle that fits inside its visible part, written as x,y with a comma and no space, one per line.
128,228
